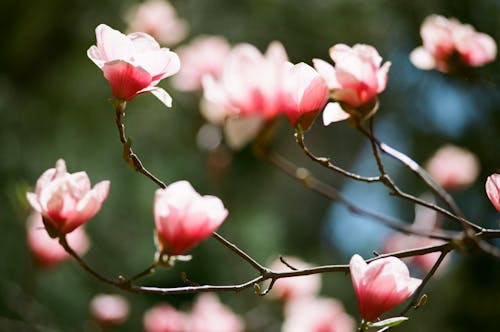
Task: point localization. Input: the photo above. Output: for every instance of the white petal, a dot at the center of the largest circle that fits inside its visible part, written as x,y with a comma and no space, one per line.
333,113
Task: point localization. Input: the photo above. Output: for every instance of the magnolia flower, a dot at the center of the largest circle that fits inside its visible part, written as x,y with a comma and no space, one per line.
447,43
66,200
305,94
493,190
354,82
203,56
164,318
453,167
46,250
288,289
380,285
133,64
183,218
316,315
159,19
109,310
210,315
250,83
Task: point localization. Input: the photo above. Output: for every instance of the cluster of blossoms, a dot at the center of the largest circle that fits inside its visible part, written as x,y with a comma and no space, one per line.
241,83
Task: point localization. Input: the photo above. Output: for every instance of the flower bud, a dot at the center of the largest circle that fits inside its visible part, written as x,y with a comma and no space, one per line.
493,190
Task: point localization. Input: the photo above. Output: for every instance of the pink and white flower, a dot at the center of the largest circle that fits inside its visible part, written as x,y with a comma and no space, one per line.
453,167
380,285
354,82
46,250
447,44
133,64
183,218
205,55
66,200
493,190
159,19
164,318
109,309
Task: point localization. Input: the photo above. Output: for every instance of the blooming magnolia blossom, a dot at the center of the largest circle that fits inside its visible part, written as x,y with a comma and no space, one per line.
133,64
66,200
210,315
159,19
380,285
447,43
164,318
288,289
46,250
205,55
453,167
493,190
183,218
354,82
316,315
109,310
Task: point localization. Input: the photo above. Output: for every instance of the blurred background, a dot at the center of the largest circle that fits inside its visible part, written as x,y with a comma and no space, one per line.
53,104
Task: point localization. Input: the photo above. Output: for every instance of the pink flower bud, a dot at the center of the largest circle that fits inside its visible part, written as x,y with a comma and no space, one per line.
46,250
133,63
164,318
447,44
305,94
453,167
184,218
357,77
159,19
210,315
316,315
288,289
109,310
66,200
380,285
203,56
493,190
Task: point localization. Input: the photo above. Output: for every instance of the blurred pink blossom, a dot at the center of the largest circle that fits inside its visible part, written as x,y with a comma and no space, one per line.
164,318
159,19
46,250
66,200
380,285
205,55
210,315
109,310
133,64
183,218
316,315
288,289
453,167
354,82
447,43
493,190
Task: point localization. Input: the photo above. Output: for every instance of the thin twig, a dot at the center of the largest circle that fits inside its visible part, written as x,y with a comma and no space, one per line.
239,252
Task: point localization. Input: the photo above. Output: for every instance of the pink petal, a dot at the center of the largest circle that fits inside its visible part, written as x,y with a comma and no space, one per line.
422,59
327,71
113,44
125,79
493,190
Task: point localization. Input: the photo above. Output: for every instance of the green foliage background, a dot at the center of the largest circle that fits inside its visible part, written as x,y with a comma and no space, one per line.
53,105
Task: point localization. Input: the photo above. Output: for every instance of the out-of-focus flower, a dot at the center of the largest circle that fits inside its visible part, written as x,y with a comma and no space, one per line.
380,285
354,82
288,289
46,250
183,218
448,44
425,220
251,83
66,200
109,310
164,318
205,55
493,190
305,94
159,19
453,167
316,315
210,315
133,64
